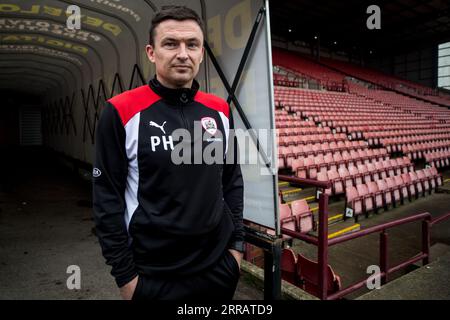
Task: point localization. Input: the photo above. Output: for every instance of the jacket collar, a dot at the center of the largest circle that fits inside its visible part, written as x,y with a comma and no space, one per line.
181,96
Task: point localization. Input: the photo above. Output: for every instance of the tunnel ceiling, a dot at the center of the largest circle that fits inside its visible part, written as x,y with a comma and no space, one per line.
39,54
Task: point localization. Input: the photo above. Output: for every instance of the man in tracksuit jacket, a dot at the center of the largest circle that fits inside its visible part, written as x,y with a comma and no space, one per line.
169,230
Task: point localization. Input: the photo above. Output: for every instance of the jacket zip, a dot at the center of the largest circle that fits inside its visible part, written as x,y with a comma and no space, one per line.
184,118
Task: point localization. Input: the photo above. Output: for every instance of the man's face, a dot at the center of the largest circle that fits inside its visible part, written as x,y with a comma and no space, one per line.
177,52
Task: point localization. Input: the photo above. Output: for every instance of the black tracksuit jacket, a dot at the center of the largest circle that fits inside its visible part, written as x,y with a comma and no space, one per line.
154,217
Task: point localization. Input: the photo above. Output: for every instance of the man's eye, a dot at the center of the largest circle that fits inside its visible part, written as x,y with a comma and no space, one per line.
170,44
193,45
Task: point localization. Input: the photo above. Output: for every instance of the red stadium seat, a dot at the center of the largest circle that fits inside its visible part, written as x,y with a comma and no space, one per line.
289,266
307,271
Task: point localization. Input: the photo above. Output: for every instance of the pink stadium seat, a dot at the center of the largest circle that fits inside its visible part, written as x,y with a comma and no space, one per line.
338,185
346,159
287,221
298,167
320,163
328,159
380,170
354,201
307,150
317,148
355,157
364,157
388,168
394,189
409,184
402,166
281,164
423,179
303,216
323,176
345,176
311,168
363,192
403,189
417,183
437,176
339,160
373,171
297,151
354,173
376,194
383,187
362,168
430,177
396,167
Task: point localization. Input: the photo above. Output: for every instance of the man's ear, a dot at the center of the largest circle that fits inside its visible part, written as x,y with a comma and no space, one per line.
150,53
203,54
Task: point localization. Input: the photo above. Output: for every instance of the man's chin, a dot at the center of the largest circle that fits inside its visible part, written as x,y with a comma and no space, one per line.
182,80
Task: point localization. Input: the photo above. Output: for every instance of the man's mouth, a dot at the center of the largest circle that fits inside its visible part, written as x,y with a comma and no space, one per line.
182,66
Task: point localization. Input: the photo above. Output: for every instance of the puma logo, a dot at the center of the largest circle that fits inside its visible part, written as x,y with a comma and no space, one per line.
154,124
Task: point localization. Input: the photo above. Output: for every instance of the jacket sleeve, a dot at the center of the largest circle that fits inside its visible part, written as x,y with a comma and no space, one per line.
109,181
233,186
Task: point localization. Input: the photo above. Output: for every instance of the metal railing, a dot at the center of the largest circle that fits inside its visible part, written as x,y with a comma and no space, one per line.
323,243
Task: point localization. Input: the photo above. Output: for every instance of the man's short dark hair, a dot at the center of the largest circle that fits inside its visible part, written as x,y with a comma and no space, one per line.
179,13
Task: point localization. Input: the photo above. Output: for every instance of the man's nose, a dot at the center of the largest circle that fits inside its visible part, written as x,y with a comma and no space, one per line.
182,53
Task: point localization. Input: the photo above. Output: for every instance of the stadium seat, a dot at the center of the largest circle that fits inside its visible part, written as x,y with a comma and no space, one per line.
364,193
437,176
378,195
288,266
354,201
417,183
354,173
337,182
409,184
345,176
425,181
364,172
402,187
307,271
394,189
303,216
287,220
383,187
429,175
298,167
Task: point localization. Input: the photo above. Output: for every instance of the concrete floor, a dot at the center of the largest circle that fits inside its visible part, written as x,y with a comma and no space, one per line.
46,226
431,282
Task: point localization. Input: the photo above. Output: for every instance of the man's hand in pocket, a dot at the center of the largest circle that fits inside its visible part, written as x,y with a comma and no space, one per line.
127,290
237,255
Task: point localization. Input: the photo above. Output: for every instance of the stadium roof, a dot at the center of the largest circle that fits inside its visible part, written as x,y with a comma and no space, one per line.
405,24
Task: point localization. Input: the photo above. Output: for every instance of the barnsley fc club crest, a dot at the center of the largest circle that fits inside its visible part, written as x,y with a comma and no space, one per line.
210,125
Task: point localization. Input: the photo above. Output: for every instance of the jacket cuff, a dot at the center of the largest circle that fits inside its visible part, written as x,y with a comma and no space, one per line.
124,279
237,244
